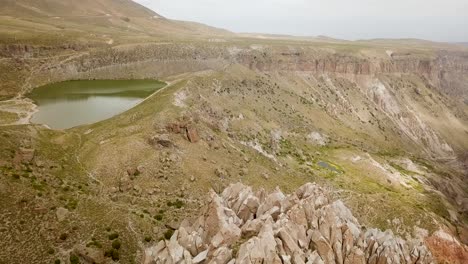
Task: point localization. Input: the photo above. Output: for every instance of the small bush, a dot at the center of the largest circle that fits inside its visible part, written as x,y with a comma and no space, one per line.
115,255
168,234
148,238
72,204
64,236
158,217
126,19
112,253
74,259
51,251
113,236
116,244
94,243
57,261
178,204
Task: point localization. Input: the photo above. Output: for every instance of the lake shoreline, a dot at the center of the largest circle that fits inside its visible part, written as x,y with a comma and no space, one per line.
23,107
69,104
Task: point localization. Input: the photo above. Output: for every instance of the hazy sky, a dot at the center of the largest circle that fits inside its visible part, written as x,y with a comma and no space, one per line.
440,20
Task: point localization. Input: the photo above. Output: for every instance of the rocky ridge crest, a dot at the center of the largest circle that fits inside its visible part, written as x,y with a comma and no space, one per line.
243,226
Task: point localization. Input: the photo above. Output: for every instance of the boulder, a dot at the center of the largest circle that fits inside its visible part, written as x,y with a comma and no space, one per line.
261,249
221,255
61,214
131,171
221,223
200,257
222,173
265,176
162,141
192,134
244,172
175,127
125,184
89,255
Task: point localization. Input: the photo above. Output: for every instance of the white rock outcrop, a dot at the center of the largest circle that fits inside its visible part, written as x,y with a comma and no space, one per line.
241,227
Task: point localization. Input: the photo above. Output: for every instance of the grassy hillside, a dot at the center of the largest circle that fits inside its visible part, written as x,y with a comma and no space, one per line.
49,8
50,22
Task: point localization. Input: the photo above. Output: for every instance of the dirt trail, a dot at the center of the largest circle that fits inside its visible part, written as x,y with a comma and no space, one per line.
23,107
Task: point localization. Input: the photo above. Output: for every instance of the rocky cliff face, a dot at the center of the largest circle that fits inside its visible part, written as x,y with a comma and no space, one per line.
446,70
242,226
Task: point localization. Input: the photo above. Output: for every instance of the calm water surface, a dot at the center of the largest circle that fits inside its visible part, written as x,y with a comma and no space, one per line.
72,103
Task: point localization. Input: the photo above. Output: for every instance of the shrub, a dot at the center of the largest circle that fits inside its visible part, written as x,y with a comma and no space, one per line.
63,236
72,204
74,259
113,236
112,253
116,244
178,204
94,243
148,238
158,217
115,255
126,19
57,261
168,234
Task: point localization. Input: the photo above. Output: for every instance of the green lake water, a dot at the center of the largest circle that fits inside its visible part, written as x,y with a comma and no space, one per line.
73,103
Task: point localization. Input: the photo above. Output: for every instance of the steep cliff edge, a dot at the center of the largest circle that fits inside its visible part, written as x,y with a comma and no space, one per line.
441,74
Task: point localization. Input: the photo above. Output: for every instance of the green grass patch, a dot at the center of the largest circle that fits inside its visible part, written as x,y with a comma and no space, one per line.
401,169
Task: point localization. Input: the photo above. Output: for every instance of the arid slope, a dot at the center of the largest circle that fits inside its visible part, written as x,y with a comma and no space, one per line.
383,124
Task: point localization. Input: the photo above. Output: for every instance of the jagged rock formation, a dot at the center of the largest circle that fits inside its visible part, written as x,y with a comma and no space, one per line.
240,226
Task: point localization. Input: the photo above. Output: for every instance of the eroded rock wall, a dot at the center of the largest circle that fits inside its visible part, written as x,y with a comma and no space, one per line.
243,226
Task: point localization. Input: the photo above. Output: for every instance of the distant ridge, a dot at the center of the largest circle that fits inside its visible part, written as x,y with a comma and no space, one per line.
74,8
101,21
